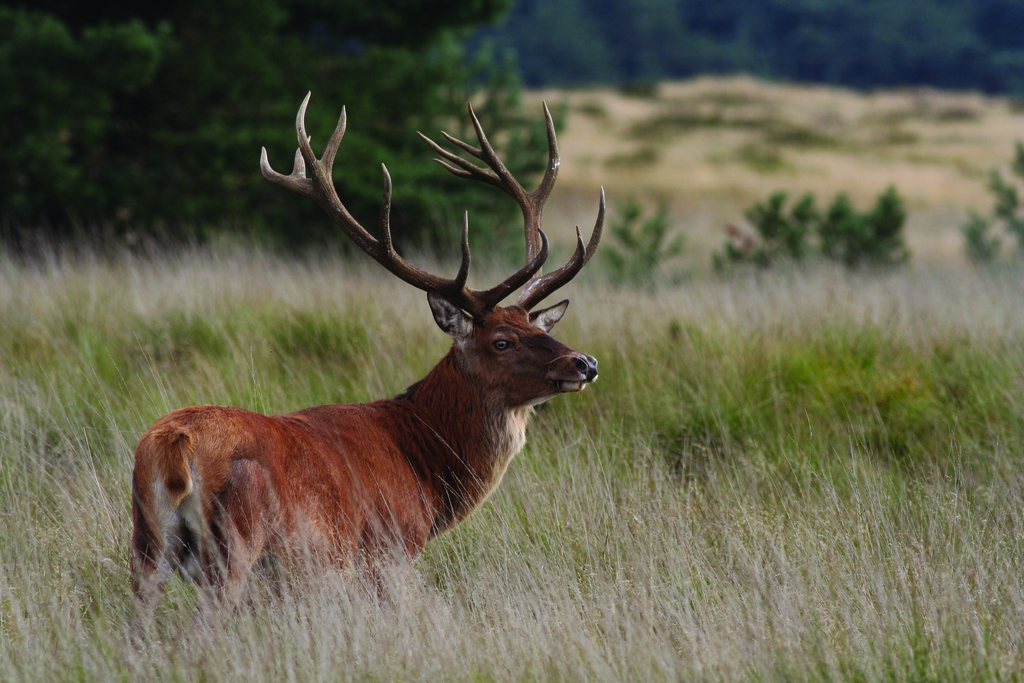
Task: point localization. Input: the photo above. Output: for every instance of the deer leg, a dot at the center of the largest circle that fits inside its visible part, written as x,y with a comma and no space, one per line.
386,557
150,563
237,538
224,577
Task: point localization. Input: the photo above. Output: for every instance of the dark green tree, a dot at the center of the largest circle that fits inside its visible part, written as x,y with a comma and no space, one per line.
973,44
153,115
59,93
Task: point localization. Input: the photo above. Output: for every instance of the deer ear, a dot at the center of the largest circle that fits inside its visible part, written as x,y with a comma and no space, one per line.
452,320
545,319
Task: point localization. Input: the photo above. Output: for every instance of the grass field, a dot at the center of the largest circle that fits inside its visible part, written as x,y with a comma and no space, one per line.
799,477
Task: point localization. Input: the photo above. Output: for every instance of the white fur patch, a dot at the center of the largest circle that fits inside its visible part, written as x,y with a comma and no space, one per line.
510,439
188,513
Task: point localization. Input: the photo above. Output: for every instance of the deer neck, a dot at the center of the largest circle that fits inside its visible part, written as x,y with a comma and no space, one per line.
470,437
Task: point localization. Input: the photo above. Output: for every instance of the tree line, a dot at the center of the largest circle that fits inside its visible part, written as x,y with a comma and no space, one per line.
962,44
149,117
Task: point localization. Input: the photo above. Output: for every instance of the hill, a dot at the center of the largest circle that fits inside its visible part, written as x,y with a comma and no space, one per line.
711,146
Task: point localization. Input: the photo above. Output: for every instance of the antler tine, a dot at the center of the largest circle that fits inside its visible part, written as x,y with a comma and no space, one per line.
295,181
539,196
335,141
487,154
467,169
547,183
385,254
464,145
300,129
537,289
455,290
384,220
496,174
595,234
298,164
463,274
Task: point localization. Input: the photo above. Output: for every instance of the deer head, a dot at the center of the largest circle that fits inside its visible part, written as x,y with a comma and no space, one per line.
511,355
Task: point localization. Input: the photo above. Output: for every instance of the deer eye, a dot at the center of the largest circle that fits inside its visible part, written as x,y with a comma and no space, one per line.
501,344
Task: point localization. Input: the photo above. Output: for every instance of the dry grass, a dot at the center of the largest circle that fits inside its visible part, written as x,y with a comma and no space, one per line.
712,146
802,477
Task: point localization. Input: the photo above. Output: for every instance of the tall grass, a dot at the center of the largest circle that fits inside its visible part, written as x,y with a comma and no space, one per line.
811,477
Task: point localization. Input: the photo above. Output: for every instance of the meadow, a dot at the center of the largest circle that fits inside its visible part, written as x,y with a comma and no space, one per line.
711,146
782,476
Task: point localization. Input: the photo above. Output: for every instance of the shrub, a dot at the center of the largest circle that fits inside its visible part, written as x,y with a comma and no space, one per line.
856,239
781,235
851,237
980,246
641,245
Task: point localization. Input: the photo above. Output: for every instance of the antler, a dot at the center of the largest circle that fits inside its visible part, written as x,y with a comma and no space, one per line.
319,186
531,203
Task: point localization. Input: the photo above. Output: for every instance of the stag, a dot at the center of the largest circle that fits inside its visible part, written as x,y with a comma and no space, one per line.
216,490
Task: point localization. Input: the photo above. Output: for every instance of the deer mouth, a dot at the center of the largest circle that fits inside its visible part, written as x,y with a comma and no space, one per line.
567,386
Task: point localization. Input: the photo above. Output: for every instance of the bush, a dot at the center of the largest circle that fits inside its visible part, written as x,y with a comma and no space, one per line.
980,246
778,235
642,245
856,239
845,235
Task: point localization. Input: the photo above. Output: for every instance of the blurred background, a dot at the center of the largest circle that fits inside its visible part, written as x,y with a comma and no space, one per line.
727,133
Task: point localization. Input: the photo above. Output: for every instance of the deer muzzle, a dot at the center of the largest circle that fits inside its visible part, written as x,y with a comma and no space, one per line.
584,368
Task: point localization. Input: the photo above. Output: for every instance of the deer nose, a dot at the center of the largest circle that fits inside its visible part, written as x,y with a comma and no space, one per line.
586,366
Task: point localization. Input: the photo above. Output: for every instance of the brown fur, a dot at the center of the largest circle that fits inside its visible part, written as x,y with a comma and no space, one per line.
172,448
215,489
